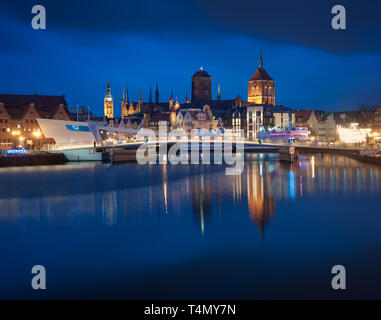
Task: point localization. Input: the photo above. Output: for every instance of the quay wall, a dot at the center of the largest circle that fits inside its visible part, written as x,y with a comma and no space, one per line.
32,159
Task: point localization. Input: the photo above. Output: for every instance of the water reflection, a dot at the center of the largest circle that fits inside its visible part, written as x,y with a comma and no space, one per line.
201,192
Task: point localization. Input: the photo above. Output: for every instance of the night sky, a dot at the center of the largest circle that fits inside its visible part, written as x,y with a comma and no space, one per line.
137,43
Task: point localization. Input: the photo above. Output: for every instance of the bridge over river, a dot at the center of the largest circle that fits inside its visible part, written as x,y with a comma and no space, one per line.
127,152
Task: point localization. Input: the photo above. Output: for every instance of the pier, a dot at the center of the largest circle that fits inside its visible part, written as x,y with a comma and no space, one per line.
35,159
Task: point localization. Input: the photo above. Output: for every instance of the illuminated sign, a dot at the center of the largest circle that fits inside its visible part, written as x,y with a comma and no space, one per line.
17,151
71,127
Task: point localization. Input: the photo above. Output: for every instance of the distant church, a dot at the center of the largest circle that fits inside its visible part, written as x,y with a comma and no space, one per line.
261,92
201,86
261,88
108,103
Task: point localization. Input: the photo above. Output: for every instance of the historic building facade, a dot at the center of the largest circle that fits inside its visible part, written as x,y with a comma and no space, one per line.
18,114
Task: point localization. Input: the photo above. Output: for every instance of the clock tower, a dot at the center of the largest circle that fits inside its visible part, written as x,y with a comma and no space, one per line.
108,103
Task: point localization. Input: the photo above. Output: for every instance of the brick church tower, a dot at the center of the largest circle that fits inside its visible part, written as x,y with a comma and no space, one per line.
261,88
201,86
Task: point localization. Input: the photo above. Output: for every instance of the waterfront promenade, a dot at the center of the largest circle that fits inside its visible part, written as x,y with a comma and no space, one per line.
127,152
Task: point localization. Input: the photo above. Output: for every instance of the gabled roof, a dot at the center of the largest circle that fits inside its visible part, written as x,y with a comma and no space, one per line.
47,112
194,114
261,74
17,112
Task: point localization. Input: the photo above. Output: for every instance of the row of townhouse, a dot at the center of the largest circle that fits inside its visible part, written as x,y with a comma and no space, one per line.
324,126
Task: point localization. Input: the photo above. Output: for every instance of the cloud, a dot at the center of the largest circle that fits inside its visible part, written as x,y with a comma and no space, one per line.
299,22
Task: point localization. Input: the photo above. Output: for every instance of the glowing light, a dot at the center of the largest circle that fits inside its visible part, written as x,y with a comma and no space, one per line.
37,134
353,134
17,151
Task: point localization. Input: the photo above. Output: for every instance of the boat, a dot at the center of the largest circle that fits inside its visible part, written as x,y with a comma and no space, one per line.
83,141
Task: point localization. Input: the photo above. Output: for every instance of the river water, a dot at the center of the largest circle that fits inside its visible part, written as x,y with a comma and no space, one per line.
190,231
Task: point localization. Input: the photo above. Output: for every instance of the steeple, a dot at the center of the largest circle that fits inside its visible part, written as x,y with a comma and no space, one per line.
127,98
187,100
150,95
171,100
157,94
260,60
108,93
219,92
261,87
108,102
124,105
141,96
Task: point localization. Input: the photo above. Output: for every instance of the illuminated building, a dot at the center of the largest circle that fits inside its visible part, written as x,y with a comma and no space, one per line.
254,121
18,114
353,134
108,103
377,120
261,88
125,104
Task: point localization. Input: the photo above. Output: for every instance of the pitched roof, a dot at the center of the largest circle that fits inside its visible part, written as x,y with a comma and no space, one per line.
194,114
160,117
260,74
47,112
26,99
279,109
302,115
215,105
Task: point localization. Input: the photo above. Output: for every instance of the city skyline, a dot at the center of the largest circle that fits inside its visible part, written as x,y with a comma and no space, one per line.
75,56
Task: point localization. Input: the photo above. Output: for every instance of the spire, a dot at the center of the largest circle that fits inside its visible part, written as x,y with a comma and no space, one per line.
157,93
141,96
108,94
150,95
127,98
219,92
260,61
123,95
171,100
186,97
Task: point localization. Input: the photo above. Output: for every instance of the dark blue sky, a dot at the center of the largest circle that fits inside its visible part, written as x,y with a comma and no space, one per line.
140,42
